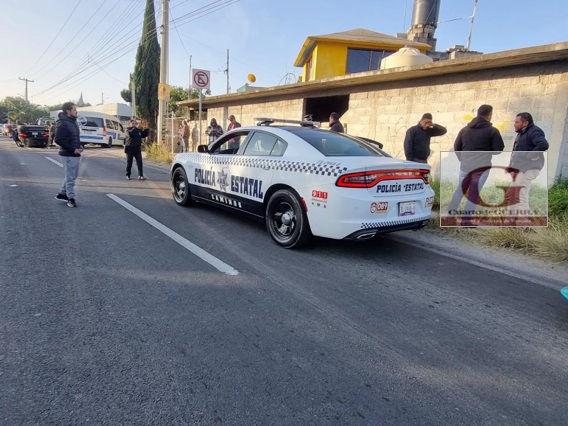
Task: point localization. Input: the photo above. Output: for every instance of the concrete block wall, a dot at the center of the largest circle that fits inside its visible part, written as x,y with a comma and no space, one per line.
384,111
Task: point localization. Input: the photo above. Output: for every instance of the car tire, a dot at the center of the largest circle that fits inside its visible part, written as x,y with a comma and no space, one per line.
180,188
286,220
109,145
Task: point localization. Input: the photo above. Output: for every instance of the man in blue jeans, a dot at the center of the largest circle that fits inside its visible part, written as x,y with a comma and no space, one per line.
67,136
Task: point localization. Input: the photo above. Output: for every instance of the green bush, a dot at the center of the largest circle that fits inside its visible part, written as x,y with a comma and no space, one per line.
558,199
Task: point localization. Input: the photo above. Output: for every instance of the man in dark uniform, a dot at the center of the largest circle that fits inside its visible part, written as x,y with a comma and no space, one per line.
133,147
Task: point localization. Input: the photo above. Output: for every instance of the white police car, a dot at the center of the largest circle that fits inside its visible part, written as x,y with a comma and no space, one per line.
305,181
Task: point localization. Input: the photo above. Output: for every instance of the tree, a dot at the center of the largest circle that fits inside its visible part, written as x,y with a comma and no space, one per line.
146,75
17,109
177,94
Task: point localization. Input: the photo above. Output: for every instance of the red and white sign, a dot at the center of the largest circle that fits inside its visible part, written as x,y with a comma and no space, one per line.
380,207
201,79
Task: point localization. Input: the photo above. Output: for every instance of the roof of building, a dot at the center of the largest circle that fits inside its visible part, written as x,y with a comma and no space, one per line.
509,58
359,37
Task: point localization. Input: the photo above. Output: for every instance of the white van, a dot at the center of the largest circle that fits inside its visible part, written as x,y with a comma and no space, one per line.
100,128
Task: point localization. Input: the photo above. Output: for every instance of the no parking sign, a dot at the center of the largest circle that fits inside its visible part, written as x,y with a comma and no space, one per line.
201,79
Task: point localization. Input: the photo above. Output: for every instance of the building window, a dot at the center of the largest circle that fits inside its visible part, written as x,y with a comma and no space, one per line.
361,60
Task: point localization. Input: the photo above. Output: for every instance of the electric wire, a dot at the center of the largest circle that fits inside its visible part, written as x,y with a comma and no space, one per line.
128,45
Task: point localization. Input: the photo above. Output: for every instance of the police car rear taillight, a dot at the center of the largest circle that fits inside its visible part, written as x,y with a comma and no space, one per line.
371,178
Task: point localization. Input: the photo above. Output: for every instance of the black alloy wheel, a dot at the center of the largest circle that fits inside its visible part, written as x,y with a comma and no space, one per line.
180,187
286,220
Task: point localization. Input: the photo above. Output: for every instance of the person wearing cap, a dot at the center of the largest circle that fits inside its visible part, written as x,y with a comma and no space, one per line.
213,130
334,123
417,140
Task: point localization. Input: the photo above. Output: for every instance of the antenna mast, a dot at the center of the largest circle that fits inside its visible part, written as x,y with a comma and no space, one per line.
471,26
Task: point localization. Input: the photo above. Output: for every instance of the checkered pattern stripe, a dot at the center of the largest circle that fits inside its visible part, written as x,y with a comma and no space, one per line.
375,225
334,170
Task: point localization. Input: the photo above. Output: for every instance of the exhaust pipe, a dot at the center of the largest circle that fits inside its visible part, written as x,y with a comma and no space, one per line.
367,236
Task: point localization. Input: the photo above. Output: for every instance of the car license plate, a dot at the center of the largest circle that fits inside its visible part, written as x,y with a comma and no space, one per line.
36,134
407,208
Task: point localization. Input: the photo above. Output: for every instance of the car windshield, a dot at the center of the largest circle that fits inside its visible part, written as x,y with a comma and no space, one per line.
333,144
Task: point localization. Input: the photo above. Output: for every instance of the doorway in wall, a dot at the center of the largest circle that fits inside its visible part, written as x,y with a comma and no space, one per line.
320,108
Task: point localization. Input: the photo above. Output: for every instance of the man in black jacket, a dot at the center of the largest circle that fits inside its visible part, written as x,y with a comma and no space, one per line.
133,147
334,123
526,163
485,140
417,140
68,137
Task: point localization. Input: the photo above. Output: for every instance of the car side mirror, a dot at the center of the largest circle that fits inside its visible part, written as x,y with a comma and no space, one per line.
202,148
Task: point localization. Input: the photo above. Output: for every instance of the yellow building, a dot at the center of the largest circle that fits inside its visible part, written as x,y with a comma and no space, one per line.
348,52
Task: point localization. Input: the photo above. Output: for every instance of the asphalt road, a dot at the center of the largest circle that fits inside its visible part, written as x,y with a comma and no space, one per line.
132,310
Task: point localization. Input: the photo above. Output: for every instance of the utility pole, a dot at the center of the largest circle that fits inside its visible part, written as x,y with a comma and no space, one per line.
133,98
102,98
190,82
228,86
162,118
27,81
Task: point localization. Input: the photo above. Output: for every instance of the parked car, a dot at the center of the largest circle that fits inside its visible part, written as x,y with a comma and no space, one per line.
45,121
303,181
29,135
99,128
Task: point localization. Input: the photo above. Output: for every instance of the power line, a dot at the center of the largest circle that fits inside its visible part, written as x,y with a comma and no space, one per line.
124,46
56,35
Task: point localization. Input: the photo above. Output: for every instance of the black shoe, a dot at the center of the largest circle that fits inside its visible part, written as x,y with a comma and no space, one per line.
71,203
141,178
61,197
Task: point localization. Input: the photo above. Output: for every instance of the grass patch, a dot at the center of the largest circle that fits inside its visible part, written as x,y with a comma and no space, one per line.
158,153
558,200
511,238
551,243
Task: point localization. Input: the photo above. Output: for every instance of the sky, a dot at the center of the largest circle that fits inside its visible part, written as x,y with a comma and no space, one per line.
69,47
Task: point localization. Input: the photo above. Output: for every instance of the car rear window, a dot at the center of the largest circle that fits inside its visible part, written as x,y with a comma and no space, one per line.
94,122
333,144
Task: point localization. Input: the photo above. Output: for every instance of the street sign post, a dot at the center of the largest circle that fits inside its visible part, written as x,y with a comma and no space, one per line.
201,79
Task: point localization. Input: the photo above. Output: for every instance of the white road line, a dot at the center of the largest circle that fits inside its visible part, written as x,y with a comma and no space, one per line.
54,162
199,252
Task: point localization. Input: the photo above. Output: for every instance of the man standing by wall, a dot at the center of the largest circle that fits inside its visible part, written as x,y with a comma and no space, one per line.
526,163
334,123
233,123
479,135
417,140
68,137
133,148
185,135
213,130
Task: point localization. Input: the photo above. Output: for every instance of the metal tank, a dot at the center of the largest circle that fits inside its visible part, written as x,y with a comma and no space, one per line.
426,12
424,21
